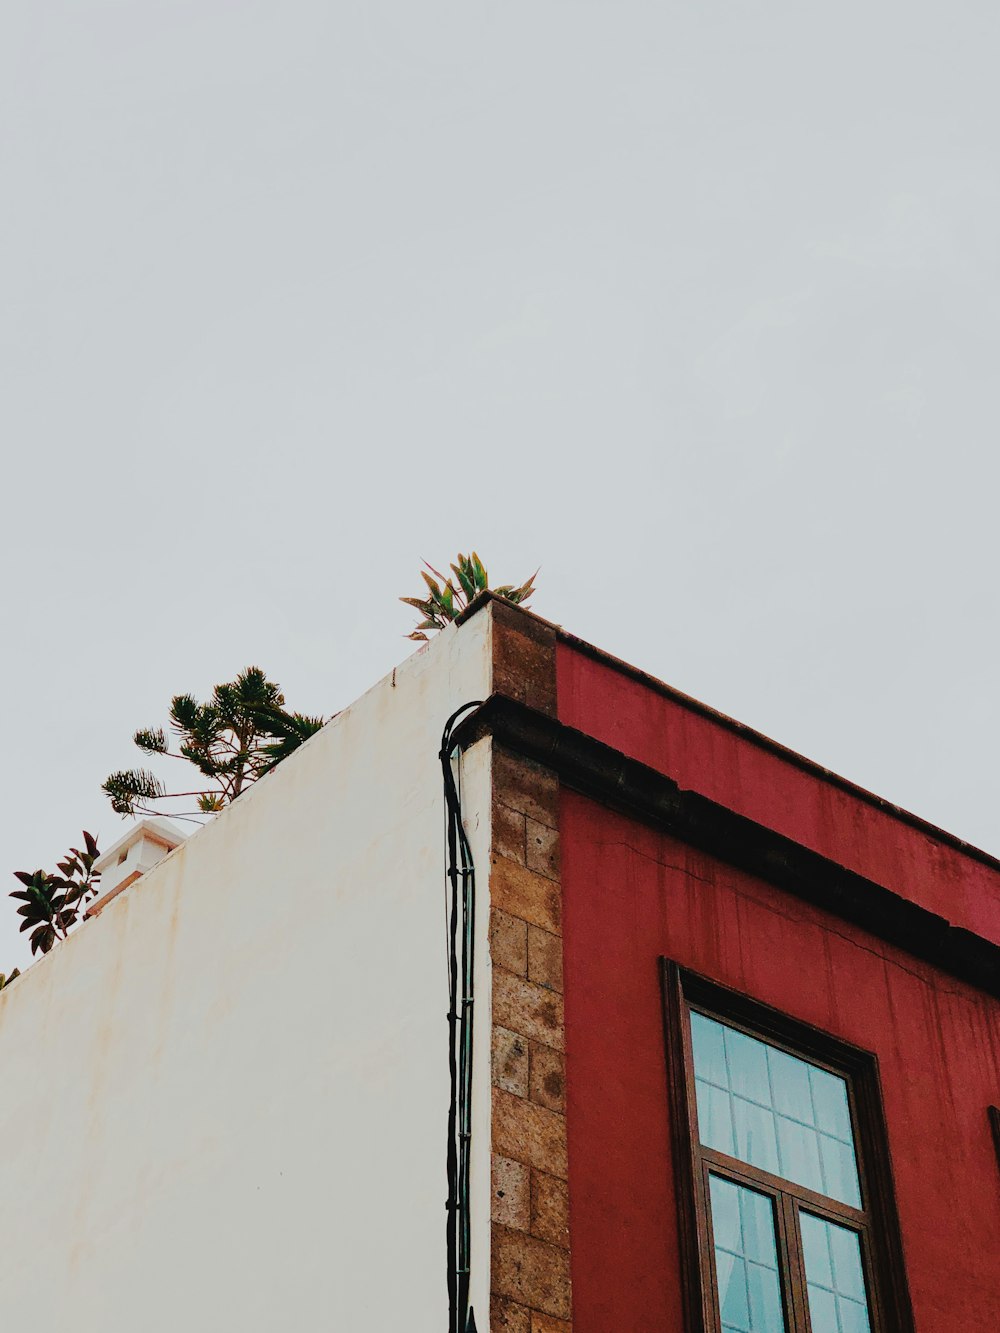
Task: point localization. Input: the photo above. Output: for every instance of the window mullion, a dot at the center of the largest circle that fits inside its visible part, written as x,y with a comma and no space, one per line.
793,1266
711,1296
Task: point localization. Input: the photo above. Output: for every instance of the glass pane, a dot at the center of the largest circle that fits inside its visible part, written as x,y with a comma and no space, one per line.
799,1148
757,1226
790,1081
746,1261
755,1141
715,1116
840,1172
834,1279
774,1110
709,1050
746,1058
823,1310
829,1094
734,1291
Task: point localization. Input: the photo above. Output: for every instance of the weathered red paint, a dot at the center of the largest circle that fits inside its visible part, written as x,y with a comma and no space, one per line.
632,895
729,765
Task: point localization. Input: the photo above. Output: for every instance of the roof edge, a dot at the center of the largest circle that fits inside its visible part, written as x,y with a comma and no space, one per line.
748,733
635,789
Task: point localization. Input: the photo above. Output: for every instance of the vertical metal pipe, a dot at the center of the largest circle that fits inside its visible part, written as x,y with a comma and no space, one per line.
461,888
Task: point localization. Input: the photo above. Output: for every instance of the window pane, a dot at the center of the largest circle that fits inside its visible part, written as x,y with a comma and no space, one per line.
774,1110
746,1263
790,1081
840,1172
755,1141
734,1291
823,1310
709,1050
834,1279
747,1061
715,1116
757,1226
829,1095
799,1150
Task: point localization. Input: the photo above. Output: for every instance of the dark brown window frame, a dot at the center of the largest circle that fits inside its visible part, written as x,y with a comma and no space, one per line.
882,1255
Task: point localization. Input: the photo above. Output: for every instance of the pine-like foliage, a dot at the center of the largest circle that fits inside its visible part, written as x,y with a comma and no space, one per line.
232,739
447,599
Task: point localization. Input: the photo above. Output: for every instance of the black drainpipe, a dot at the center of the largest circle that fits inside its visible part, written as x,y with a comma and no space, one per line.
460,904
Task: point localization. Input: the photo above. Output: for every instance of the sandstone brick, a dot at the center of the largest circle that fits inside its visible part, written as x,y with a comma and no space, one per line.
529,1133
547,1077
531,1010
510,833
520,892
513,619
524,658
510,1061
512,1195
509,942
507,1317
531,1272
542,848
530,1227
526,786
549,1209
545,958
543,1323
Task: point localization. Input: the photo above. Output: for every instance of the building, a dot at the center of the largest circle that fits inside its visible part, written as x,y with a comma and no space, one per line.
724,1034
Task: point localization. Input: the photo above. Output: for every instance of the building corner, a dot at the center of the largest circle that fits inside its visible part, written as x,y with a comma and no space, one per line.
530,1284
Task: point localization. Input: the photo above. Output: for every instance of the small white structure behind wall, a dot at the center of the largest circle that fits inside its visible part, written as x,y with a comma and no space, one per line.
145,845
225,1099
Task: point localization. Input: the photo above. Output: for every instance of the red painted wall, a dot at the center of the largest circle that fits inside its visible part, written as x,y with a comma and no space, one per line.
632,895
730,767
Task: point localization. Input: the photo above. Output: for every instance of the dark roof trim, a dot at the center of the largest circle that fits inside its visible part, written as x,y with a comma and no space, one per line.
606,775
748,733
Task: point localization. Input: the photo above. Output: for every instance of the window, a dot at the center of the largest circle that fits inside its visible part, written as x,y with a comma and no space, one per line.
785,1194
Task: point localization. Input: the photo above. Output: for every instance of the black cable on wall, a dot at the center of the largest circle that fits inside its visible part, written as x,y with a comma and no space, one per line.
461,916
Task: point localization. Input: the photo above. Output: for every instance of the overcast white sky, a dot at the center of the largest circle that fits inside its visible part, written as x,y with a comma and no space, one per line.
696,305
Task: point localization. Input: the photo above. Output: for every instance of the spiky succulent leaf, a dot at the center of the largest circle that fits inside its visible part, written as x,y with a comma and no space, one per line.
447,601
482,579
468,584
433,585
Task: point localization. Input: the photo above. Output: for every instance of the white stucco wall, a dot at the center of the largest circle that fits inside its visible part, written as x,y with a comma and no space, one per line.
223,1102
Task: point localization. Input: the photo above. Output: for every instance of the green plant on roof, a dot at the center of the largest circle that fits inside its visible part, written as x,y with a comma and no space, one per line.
52,904
448,597
234,738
